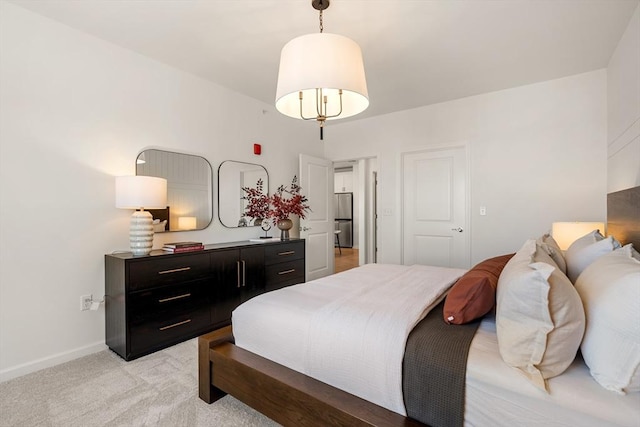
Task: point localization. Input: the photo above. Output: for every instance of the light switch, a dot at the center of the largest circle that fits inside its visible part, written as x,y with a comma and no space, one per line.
483,210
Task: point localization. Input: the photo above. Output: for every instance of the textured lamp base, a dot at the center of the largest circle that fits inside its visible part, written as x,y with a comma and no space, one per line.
141,233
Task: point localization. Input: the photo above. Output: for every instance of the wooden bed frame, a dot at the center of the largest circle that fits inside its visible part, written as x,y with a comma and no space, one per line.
284,395
294,399
623,216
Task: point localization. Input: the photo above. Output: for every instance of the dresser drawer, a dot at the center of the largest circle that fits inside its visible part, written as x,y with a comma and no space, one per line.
169,300
285,252
284,274
167,269
158,332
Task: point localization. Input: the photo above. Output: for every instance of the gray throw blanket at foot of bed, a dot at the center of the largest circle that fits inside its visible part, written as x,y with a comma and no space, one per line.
434,368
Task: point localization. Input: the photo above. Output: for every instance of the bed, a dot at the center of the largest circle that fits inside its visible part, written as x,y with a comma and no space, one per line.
495,393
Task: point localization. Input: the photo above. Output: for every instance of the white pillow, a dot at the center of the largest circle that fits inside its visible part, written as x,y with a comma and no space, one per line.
610,292
584,251
587,239
539,316
554,251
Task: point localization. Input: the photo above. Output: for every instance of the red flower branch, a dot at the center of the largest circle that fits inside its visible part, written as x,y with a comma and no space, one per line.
258,202
286,201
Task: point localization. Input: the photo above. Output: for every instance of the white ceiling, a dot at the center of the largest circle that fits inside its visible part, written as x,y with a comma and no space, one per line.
415,52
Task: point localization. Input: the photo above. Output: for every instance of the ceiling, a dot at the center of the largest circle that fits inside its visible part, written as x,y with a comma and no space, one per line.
415,52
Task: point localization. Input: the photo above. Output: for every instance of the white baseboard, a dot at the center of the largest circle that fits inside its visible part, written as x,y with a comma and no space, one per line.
47,362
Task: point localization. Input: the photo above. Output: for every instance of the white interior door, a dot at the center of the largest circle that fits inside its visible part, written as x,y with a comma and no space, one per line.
316,180
435,226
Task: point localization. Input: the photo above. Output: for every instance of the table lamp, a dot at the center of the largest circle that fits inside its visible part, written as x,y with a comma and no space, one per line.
565,233
187,223
140,192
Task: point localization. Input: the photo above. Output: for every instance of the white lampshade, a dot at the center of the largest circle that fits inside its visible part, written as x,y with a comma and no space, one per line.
186,222
137,192
565,233
321,61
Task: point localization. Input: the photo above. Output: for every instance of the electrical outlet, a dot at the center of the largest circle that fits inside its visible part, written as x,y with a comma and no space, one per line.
85,302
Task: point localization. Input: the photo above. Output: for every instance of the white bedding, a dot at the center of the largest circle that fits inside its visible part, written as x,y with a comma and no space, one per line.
498,395
276,325
380,303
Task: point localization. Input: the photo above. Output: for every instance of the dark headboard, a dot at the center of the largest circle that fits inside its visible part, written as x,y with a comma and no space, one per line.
161,214
623,216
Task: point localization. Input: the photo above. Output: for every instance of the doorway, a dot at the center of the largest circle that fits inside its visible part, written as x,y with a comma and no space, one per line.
355,212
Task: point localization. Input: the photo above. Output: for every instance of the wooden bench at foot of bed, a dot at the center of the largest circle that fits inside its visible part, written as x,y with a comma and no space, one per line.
286,396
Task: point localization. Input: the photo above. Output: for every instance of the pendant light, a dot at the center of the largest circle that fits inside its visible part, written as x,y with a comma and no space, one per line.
321,76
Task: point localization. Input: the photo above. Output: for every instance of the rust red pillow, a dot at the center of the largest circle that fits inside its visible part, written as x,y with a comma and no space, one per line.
474,294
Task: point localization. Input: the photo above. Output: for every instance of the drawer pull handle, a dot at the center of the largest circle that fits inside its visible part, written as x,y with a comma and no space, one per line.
286,271
175,270
164,328
287,253
244,274
174,298
238,270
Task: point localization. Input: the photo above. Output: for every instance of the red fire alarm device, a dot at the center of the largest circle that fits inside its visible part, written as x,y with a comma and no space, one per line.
257,149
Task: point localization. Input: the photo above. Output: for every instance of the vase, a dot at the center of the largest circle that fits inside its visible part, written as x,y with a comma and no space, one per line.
284,225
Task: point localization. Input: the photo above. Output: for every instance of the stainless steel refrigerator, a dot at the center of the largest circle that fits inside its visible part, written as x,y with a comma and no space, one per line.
343,214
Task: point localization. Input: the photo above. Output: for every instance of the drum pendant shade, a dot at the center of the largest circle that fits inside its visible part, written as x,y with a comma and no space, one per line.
330,62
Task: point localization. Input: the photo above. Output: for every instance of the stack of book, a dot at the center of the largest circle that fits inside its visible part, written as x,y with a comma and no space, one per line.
178,247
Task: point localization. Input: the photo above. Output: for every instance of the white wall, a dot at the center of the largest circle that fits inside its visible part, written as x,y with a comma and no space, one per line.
623,95
74,112
537,155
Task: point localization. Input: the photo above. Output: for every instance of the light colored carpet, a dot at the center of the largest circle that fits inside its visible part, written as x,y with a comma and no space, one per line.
101,389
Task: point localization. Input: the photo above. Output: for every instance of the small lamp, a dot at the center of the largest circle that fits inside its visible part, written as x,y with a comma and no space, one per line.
139,192
565,233
187,222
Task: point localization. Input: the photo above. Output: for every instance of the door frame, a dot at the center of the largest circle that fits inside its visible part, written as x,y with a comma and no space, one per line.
366,181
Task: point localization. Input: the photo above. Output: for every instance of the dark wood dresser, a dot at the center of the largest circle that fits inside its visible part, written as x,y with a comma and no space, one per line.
161,299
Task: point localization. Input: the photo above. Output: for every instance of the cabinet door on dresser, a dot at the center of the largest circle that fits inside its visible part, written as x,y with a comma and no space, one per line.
239,275
284,265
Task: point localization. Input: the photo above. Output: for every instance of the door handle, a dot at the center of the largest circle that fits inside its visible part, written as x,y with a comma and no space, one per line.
244,274
238,271
305,228
459,229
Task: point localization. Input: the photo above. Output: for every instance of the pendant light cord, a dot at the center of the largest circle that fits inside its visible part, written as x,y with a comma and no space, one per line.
321,25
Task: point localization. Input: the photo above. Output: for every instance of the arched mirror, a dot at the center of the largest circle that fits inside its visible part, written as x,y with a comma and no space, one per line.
232,177
189,189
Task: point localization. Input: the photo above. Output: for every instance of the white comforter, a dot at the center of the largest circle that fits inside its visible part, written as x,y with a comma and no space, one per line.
348,330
